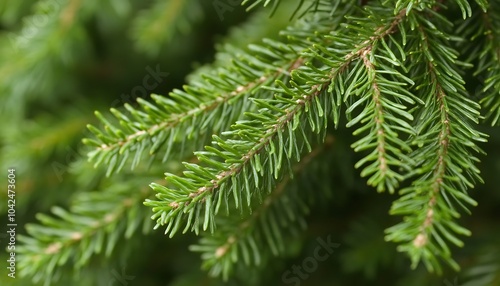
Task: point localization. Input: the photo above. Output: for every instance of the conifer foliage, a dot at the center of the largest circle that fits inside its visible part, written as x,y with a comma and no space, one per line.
409,90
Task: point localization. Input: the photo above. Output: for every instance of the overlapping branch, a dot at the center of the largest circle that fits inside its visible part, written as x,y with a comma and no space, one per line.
255,151
250,158
93,225
378,85
489,65
269,222
445,165
208,106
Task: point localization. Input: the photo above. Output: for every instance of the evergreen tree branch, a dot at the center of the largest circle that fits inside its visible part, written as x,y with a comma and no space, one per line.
490,62
381,89
208,106
279,121
241,161
93,225
267,224
209,186
446,137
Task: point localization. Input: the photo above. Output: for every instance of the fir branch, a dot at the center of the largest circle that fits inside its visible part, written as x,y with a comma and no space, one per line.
92,226
381,92
210,185
446,138
378,113
279,121
384,176
490,62
260,229
211,103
